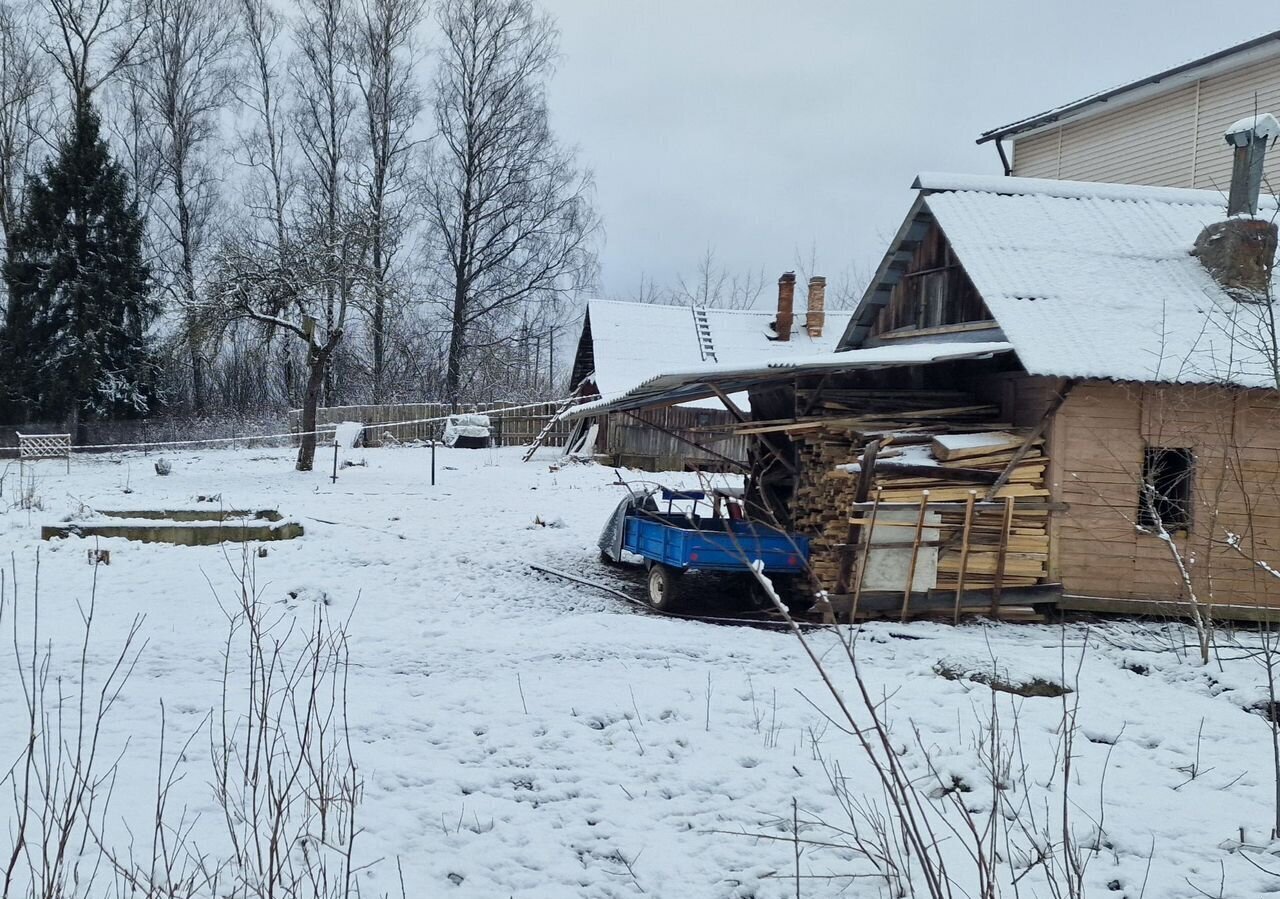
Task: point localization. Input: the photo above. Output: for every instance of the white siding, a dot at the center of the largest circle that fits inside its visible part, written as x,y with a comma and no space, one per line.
1226,99
1146,143
1173,139
1037,156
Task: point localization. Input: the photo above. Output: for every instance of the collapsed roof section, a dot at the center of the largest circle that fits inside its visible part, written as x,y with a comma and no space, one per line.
703,381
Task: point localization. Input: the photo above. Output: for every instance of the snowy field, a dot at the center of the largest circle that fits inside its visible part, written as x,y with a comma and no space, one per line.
520,736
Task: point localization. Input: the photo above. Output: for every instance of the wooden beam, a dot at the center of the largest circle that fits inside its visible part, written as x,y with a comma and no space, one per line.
964,550
815,396
863,562
855,527
1031,440
1048,506
915,554
977,600
936,472
1002,555
728,403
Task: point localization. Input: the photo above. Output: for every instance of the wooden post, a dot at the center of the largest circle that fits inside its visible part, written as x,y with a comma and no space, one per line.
915,552
1001,555
865,478
864,557
964,549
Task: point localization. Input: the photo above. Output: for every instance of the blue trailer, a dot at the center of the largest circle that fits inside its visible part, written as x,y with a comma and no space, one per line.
675,541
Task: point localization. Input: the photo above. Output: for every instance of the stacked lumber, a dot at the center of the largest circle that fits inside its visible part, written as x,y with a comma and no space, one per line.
953,452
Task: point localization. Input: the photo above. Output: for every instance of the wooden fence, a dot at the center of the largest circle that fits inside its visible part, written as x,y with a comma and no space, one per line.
516,427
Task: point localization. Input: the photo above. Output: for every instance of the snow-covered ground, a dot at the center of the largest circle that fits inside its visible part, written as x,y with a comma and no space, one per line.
521,736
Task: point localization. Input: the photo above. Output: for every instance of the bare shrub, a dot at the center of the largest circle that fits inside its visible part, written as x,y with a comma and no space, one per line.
285,779
918,824
61,782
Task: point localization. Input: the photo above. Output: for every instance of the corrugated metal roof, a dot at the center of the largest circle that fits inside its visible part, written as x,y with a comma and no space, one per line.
1097,280
683,385
634,341
1222,60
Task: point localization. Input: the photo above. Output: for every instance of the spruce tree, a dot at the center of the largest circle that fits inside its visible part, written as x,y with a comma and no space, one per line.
79,291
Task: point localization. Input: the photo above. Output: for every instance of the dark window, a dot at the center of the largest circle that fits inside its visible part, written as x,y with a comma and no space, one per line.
1165,497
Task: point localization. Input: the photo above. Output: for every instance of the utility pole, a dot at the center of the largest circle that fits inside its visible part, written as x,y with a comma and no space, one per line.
551,361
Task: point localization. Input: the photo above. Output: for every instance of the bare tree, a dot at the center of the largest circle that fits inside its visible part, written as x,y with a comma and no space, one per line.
294,269
93,40
24,107
383,55
713,285
185,78
265,145
284,288
509,206
322,113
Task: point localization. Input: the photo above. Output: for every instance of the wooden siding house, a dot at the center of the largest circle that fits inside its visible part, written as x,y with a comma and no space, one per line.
1163,129
1064,391
1148,372
623,343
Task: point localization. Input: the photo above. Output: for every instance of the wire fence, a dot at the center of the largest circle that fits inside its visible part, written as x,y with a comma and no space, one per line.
513,423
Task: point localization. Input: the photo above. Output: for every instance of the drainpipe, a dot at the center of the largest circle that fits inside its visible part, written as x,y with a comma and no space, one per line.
1004,159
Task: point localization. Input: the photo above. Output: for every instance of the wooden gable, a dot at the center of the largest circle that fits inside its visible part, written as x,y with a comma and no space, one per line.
933,292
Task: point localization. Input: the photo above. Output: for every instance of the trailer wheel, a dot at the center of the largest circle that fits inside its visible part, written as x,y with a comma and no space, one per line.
664,586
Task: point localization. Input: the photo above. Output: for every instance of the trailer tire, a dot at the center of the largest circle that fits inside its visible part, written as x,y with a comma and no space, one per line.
664,587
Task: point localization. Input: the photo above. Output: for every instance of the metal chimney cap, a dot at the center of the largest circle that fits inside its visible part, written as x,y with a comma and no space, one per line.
1263,126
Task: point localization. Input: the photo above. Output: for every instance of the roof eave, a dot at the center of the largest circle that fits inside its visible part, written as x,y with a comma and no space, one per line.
1240,54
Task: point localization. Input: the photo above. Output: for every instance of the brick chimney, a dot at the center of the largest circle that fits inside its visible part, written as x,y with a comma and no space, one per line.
816,316
786,306
1241,251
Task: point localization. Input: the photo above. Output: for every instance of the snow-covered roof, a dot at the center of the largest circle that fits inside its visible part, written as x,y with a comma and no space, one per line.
1230,58
692,383
635,341
1093,280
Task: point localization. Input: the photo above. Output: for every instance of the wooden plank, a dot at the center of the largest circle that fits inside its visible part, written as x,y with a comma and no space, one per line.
915,553
863,560
852,532
994,442
942,601
1002,558
931,472
964,549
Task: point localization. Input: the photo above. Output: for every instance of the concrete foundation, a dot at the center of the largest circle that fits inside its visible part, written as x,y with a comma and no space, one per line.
183,527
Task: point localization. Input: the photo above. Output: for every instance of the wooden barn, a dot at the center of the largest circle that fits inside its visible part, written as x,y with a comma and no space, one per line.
1051,392
622,343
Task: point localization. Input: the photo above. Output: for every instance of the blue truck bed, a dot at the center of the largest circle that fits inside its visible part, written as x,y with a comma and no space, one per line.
713,544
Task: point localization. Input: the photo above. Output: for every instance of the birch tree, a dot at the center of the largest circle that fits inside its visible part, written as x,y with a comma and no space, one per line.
384,53
185,78
322,113
25,108
293,268
509,206
91,41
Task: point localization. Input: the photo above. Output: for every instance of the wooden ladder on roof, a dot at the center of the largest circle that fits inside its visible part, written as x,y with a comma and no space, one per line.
549,426
703,326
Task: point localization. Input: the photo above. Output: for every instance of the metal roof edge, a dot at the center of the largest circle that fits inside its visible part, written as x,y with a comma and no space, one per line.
1268,43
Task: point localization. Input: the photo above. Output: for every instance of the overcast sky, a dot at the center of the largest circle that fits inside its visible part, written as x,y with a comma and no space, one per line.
775,130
